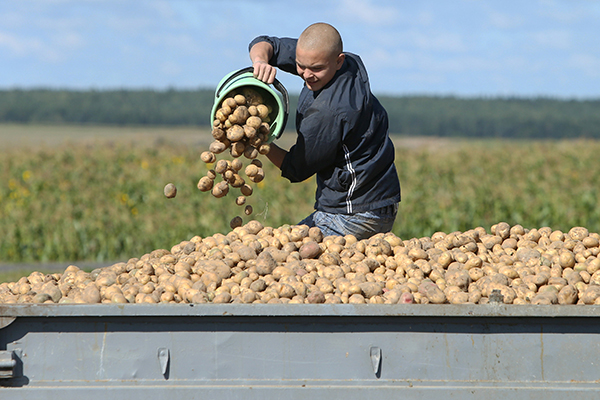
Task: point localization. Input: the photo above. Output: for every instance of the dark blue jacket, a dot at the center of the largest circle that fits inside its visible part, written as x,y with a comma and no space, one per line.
342,137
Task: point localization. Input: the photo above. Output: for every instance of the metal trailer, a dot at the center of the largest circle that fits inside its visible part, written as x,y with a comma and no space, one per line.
186,351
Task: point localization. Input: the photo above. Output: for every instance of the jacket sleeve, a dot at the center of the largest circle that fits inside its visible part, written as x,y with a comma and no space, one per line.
284,52
319,141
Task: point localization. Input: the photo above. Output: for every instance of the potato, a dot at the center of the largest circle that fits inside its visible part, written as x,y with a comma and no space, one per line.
91,294
220,116
567,295
221,166
248,210
297,265
240,200
230,102
253,110
228,175
264,128
246,190
251,170
566,259
252,96
310,250
220,190
265,263
236,164
235,222
205,184
211,174
233,119
218,133
217,147
170,190
255,141
240,99
208,157
237,181
249,132
241,113
432,292
315,297
251,152
237,149
258,177
263,111
264,149
235,133
254,122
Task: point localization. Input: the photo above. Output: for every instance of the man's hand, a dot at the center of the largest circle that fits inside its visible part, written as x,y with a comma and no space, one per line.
260,54
264,72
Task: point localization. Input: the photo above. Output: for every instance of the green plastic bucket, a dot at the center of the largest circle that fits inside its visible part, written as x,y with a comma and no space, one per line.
280,103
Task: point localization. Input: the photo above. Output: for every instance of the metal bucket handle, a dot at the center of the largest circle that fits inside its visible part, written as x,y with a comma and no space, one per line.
276,84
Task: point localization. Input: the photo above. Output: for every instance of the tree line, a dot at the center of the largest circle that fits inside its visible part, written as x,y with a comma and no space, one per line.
446,116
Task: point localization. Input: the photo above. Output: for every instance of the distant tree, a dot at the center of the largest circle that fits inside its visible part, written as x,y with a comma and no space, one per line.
448,116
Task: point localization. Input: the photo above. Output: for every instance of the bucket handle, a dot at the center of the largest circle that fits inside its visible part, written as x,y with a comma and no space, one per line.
276,84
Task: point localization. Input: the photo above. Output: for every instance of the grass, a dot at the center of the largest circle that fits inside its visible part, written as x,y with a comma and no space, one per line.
71,193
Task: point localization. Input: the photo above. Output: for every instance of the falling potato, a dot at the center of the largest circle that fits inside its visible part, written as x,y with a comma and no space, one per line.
241,125
170,190
236,222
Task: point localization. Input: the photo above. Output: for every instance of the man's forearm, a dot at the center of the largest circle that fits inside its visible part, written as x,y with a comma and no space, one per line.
276,155
261,52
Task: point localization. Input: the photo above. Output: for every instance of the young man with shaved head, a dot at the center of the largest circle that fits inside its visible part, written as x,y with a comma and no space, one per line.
342,132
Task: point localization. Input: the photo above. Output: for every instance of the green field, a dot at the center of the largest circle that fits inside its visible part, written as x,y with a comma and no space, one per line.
72,193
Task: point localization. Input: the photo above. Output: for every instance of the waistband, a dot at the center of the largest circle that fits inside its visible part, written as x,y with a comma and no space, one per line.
387,210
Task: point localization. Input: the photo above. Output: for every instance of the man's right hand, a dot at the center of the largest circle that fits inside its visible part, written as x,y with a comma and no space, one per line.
264,72
260,54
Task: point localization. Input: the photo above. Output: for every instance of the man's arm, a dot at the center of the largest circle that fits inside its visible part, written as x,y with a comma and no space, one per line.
260,54
276,155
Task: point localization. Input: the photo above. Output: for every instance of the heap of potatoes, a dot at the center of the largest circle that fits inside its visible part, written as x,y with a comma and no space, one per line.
297,265
241,125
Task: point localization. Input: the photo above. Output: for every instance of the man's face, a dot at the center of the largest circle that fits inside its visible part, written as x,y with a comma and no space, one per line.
317,67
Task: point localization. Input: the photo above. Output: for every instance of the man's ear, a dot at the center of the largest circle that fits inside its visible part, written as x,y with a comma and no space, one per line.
340,61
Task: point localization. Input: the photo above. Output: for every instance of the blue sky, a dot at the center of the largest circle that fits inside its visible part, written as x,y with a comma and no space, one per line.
433,47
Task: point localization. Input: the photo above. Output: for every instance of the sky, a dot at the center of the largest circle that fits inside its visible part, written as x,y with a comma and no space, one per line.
469,48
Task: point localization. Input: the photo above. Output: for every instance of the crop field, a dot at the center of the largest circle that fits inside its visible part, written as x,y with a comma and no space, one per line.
72,193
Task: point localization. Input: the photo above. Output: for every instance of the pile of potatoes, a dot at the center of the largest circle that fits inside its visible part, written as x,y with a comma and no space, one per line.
297,265
241,125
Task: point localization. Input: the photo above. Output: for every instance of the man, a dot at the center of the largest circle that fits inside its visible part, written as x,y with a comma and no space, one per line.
342,133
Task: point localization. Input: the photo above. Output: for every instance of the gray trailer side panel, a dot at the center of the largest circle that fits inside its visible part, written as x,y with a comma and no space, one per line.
275,351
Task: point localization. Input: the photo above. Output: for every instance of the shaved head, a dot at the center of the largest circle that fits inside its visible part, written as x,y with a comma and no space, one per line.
321,37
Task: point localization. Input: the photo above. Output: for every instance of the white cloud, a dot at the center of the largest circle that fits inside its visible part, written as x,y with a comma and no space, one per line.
553,39
70,41
505,21
171,68
587,63
163,8
438,41
22,47
437,45
381,58
369,13
569,12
